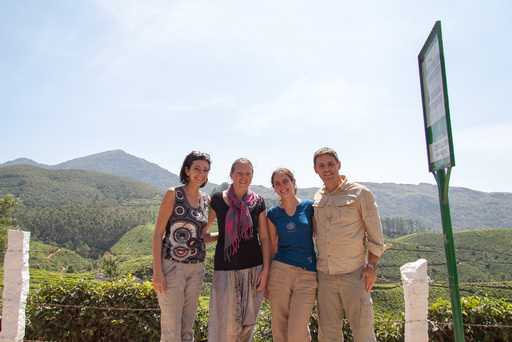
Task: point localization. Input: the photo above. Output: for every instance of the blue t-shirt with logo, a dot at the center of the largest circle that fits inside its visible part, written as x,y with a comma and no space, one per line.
295,235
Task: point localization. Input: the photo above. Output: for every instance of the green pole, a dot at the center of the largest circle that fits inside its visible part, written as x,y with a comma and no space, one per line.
442,186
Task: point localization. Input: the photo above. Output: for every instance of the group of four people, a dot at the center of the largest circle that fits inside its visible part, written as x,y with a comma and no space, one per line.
269,254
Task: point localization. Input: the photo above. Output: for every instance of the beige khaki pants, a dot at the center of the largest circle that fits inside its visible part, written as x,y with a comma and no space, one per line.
178,304
339,294
292,292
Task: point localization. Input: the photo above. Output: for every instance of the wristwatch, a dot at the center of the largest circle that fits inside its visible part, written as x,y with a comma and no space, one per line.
372,266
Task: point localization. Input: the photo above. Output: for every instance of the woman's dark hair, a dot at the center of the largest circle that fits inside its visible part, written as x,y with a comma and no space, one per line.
189,160
288,173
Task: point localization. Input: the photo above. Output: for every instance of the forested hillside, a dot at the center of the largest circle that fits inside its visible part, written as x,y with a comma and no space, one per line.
79,210
91,227
116,162
120,163
39,187
470,209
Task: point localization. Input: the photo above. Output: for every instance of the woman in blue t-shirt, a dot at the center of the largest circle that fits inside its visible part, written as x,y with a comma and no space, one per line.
292,282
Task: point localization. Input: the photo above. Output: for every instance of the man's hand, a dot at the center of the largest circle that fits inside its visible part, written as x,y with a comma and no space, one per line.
370,276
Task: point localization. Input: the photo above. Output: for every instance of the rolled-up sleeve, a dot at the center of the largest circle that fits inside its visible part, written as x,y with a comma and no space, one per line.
370,215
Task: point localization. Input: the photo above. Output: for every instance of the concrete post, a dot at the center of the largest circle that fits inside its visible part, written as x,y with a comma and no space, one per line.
16,286
415,282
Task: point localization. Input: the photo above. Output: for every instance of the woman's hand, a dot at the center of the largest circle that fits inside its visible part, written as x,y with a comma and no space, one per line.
262,280
159,282
265,294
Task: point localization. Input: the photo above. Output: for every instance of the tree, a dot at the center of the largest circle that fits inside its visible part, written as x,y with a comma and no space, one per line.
7,203
109,265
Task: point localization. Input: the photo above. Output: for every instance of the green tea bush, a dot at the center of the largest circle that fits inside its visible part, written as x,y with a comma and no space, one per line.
72,310
484,319
201,323
389,329
78,310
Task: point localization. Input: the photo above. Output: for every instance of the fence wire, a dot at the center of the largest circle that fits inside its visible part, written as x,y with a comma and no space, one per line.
388,280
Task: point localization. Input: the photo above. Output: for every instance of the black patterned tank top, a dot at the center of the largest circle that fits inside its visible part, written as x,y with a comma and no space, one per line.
183,235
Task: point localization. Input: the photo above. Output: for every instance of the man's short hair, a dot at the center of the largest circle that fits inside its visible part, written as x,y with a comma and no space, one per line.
324,151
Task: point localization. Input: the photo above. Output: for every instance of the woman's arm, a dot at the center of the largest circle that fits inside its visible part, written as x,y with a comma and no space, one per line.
265,250
314,226
164,214
272,234
210,237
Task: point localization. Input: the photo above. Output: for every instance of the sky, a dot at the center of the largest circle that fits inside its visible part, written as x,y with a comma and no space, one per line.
272,81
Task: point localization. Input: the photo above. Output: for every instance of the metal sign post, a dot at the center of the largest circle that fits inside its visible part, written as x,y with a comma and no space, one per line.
438,134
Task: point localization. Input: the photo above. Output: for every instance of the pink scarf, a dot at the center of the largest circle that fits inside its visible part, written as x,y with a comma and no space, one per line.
239,223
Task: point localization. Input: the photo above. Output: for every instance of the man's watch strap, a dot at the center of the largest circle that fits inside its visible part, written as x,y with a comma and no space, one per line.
372,266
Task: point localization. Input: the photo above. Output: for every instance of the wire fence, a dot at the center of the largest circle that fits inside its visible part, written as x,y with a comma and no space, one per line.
386,264
49,306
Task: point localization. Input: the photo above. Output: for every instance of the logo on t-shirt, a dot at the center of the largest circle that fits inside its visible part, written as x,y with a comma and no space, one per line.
291,228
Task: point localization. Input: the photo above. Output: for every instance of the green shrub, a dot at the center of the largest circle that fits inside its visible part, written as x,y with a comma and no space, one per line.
389,329
201,323
67,310
263,331
479,315
73,310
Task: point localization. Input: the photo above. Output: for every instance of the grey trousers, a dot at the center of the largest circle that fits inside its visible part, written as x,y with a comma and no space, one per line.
234,305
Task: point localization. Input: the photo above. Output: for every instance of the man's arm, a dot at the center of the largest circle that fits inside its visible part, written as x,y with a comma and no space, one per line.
374,241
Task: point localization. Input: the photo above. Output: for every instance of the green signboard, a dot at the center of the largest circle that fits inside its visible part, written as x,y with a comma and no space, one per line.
435,102
440,152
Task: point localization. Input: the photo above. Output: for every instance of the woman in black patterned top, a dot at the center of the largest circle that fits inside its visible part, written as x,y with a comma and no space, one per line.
242,258
179,249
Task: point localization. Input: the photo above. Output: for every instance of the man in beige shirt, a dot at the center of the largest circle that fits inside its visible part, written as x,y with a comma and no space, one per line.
347,226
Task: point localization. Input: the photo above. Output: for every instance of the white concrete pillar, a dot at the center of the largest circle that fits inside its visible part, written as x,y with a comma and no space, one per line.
415,282
16,286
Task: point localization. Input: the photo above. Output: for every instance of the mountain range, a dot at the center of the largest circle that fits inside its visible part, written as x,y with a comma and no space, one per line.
116,162
470,209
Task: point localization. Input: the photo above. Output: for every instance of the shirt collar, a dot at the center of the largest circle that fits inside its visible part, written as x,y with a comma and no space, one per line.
341,187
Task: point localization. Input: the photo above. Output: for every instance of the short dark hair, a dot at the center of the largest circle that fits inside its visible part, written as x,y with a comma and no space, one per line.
287,173
324,151
189,160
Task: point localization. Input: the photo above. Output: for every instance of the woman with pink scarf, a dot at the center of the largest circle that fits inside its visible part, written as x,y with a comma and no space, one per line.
242,257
